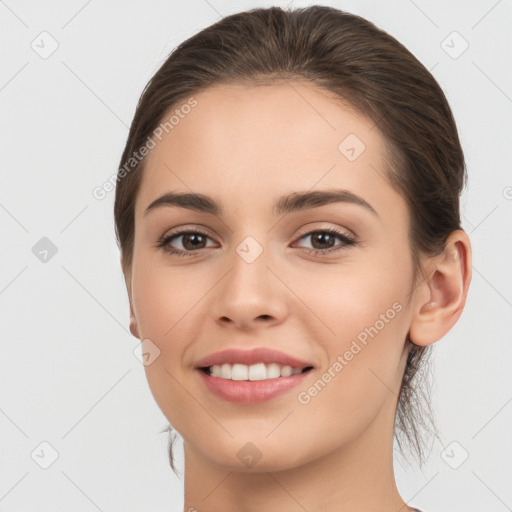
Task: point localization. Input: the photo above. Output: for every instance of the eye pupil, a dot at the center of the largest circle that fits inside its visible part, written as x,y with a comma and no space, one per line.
323,238
198,240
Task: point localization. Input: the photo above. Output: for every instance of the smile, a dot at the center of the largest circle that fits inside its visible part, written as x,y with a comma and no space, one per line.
250,376
254,372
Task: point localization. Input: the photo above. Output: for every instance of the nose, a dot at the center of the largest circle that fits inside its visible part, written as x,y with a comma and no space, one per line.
250,296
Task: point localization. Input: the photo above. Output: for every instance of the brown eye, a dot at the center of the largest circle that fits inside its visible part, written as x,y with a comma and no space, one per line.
324,240
191,241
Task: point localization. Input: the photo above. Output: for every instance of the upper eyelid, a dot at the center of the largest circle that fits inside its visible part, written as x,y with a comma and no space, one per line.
342,231
307,231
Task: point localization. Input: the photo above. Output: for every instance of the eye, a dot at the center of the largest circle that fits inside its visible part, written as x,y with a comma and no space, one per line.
324,240
192,241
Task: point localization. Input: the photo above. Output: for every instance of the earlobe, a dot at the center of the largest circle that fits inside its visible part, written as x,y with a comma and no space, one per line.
134,329
442,295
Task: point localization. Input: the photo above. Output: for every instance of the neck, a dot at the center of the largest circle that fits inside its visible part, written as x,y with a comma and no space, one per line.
357,476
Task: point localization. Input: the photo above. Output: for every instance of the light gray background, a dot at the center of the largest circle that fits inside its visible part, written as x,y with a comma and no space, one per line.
68,375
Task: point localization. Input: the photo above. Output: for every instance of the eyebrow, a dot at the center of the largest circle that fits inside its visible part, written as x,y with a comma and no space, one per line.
296,201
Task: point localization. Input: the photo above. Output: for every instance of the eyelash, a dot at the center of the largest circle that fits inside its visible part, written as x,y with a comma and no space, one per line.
164,242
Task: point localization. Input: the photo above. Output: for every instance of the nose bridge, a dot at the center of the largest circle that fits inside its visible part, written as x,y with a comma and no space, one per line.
249,291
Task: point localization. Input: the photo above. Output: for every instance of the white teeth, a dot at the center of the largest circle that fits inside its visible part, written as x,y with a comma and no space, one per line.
286,371
225,371
273,371
259,371
239,372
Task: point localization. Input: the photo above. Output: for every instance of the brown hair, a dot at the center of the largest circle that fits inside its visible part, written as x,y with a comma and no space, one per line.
360,64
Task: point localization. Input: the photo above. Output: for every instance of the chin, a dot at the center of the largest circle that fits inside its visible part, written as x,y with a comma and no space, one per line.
274,462
258,456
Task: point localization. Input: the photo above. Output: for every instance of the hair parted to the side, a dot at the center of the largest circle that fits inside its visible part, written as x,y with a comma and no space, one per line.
362,66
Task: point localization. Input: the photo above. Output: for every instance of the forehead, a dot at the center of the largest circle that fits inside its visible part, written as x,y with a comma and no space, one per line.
248,143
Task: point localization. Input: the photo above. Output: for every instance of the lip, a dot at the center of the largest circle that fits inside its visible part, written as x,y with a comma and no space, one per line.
252,356
246,391
251,392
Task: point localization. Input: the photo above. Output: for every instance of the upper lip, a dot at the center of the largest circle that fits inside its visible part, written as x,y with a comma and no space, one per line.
252,356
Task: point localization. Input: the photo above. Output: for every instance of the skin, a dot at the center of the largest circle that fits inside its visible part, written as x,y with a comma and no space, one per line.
246,146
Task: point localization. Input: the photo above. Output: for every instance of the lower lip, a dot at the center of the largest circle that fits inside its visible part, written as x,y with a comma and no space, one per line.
251,392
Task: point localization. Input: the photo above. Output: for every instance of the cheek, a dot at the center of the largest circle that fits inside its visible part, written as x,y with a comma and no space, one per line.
363,373
166,304
350,299
362,333
163,297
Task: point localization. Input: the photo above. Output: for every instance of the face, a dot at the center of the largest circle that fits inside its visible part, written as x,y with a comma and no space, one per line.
326,281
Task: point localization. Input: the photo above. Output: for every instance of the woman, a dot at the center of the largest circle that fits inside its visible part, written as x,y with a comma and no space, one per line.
287,210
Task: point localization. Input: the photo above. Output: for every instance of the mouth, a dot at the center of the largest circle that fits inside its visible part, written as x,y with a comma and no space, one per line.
251,376
254,372
249,385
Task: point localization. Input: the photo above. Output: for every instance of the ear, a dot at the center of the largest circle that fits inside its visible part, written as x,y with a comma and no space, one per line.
134,328
441,296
